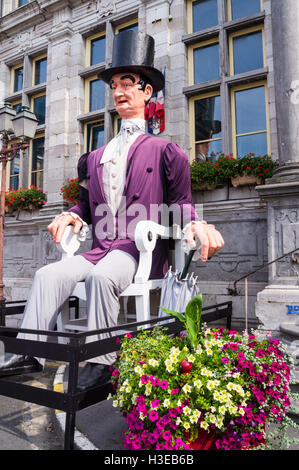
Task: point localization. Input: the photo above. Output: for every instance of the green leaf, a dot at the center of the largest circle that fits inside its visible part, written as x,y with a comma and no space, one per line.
178,315
194,308
192,331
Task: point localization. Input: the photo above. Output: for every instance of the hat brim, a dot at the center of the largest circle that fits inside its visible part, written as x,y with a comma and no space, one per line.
154,75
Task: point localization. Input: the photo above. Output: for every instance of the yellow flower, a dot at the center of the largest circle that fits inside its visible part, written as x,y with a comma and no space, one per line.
193,419
210,385
222,409
186,425
198,350
153,362
169,368
191,358
186,410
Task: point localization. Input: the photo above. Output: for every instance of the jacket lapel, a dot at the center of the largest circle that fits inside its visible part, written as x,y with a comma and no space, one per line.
131,153
99,170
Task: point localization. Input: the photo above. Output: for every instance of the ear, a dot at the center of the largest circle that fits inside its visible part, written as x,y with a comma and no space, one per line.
148,91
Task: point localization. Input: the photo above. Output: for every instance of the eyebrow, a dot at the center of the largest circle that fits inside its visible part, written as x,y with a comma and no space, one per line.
123,77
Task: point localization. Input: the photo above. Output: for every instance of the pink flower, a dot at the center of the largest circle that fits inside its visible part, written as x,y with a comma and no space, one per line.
155,403
128,335
164,384
153,415
175,391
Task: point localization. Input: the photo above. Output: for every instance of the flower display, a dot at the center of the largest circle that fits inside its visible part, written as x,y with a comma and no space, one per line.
25,198
227,167
226,384
70,190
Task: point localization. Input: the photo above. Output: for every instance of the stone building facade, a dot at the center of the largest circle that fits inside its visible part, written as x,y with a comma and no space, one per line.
238,57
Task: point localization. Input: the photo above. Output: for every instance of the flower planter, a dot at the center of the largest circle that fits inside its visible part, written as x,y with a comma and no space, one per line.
24,215
205,441
245,180
205,187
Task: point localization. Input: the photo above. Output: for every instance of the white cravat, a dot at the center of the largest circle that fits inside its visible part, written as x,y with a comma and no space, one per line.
114,159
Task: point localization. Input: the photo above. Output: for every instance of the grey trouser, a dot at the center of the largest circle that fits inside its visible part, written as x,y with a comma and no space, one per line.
53,285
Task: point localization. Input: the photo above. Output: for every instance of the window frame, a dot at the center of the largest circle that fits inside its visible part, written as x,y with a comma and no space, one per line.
191,48
126,24
36,59
12,77
230,10
190,18
248,86
88,41
37,136
192,100
244,32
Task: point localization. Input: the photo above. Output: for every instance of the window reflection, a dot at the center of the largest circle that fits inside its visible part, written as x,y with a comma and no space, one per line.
242,8
18,79
97,50
37,165
248,52
39,109
96,95
255,143
206,63
40,75
204,14
95,135
207,117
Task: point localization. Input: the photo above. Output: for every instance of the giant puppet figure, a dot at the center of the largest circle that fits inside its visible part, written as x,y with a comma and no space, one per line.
132,168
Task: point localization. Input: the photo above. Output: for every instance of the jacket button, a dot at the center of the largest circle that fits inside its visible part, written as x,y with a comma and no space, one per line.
136,196
149,170
95,203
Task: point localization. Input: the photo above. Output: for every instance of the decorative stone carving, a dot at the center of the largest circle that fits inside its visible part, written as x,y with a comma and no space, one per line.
24,41
105,8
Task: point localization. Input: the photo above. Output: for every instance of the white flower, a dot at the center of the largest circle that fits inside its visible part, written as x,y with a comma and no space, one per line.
115,403
222,409
193,419
198,350
187,388
209,351
109,396
153,362
166,403
204,425
191,358
197,384
197,413
186,410
178,421
128,389
186,425
138,370
169,368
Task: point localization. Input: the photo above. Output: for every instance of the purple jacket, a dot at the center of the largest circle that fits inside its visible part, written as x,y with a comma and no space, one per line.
157,172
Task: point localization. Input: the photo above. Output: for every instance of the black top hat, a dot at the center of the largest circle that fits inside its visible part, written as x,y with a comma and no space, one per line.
134,51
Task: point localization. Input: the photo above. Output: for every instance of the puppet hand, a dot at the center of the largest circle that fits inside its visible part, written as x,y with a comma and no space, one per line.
59,224
210,239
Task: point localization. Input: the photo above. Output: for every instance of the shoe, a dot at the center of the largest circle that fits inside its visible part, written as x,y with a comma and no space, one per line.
19,365
92,375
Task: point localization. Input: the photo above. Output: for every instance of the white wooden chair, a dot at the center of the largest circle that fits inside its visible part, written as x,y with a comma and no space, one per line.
146,234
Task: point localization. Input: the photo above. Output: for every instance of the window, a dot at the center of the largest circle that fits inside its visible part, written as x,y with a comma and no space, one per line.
95,94
132,24
246,50
38,106
17,105
37,161
94,135
39,74
22,2
250,119
95,49
204,61
14,172
205,126
240,8
116,124
16,78
203,14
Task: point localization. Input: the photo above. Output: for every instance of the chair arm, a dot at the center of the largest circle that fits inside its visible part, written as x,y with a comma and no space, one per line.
70,242
146,234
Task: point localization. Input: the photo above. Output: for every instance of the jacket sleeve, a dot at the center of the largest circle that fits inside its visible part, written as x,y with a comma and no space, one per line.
178,185
82,209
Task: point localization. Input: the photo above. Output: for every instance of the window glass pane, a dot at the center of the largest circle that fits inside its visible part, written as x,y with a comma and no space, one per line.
255,143
37,161
14,172
206,63
207,126
250,110
39,109
248,52
97,95
22,2
95,136
18,79
97,50
204,14
17,107
242,8
40,71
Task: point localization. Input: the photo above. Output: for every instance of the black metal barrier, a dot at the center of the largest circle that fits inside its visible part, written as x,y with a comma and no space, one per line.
74,351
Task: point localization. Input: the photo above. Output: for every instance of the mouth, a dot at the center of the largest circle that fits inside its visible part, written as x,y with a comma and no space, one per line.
120,102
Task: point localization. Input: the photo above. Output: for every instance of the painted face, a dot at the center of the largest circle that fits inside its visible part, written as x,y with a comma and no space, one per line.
128,96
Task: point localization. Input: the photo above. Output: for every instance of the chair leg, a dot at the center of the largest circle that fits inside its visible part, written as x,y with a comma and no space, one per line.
142,303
